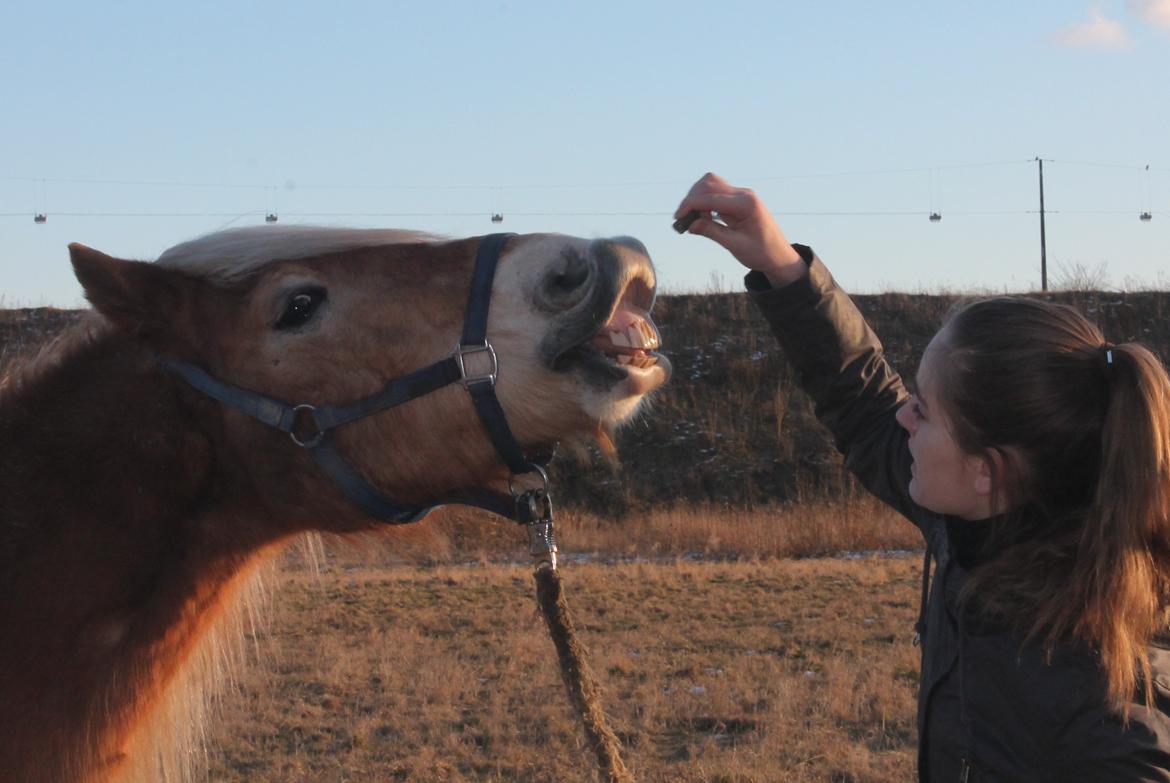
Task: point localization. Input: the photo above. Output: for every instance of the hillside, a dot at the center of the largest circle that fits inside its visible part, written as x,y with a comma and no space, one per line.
731,429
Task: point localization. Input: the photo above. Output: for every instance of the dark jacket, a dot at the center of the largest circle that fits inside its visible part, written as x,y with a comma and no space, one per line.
990,707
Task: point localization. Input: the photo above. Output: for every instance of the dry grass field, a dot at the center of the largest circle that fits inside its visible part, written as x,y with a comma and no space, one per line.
380,667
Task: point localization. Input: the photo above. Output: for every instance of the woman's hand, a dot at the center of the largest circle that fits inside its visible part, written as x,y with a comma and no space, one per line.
744,227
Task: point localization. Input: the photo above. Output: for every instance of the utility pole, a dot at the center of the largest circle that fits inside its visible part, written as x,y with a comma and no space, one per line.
1043,245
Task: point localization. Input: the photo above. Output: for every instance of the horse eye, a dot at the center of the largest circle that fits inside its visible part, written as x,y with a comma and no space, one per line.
301,307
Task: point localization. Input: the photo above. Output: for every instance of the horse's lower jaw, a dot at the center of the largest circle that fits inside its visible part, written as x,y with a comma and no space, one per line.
612,392
642,380
606,373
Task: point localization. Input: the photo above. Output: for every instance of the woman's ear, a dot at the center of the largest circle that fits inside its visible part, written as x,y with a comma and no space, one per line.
993,477
988,467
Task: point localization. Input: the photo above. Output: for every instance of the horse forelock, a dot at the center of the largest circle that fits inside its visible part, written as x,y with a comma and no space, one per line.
239,252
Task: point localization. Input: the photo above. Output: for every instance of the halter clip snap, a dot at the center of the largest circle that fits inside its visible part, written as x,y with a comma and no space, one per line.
534,511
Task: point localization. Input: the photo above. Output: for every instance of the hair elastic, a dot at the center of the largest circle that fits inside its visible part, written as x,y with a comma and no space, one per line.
1105,352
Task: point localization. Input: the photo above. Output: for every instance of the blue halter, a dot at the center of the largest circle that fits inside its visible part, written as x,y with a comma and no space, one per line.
308,425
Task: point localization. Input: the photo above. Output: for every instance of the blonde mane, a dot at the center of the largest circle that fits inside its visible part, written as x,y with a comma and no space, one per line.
173,745
239,252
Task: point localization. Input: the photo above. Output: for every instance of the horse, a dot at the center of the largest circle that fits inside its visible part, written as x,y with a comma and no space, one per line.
137,501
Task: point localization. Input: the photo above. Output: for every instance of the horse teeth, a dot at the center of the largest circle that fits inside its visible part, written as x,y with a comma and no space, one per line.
641,335
624,358
637,334
651,338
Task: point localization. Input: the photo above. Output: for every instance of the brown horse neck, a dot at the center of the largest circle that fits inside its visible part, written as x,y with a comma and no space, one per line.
108,576
98,439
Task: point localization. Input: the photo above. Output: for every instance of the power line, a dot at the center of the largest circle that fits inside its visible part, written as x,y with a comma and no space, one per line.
879,172
777,213
140,214
272,190
136,183
530,186
1137,167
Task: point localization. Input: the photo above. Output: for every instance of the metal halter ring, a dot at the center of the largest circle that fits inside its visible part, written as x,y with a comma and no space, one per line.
462,350
535,469
316,439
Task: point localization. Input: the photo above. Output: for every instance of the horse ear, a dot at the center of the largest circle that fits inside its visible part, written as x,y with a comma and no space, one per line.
138,297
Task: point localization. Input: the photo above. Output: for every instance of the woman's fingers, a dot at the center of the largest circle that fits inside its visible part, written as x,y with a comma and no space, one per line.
745,227
709,185
730,206
729,234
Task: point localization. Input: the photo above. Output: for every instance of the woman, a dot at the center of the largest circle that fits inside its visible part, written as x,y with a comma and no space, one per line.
1035,458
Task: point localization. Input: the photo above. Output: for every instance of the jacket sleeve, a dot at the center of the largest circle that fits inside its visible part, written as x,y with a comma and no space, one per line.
1096,744
841,365
1102,748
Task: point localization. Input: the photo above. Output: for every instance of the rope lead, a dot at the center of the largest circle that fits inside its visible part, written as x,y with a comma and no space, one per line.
584,694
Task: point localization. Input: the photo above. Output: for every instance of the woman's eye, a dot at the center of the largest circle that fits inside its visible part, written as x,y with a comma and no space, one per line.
300,308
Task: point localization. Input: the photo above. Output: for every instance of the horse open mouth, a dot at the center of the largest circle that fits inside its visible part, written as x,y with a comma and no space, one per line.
625,347
629,338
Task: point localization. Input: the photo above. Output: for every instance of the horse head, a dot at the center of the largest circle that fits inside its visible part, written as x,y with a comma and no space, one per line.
330,316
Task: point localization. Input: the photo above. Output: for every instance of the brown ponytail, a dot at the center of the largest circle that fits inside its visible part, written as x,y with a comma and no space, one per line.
1123,559
1084,427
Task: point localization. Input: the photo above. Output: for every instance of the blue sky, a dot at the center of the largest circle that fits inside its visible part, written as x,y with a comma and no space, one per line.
853,119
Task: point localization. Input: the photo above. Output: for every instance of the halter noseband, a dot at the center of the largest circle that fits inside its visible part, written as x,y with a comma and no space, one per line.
308,425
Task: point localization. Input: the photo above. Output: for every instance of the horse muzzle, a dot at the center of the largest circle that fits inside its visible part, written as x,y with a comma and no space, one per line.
609,334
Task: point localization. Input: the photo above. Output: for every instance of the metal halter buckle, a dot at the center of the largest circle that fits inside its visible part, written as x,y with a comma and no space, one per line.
462,350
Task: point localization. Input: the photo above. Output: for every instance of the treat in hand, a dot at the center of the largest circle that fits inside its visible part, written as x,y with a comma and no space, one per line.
683,223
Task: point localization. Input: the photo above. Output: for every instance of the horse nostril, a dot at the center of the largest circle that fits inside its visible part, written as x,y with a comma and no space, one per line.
569,279
575,274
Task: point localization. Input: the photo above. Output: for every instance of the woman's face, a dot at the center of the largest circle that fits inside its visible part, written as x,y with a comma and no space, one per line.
944,478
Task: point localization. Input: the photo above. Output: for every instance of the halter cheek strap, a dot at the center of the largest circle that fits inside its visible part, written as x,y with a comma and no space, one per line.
308,425
483,388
